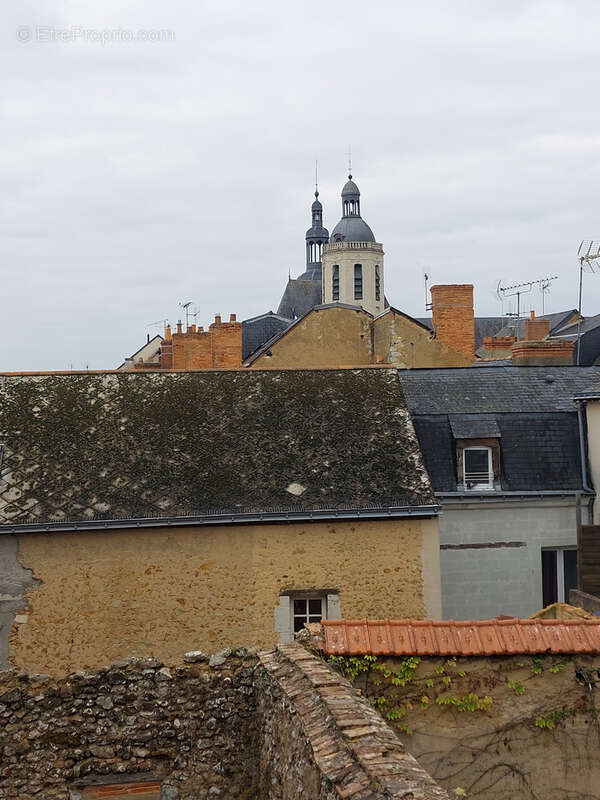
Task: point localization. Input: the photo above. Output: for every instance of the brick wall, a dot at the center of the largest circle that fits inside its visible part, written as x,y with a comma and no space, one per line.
454,318
537,354
536,329
220,347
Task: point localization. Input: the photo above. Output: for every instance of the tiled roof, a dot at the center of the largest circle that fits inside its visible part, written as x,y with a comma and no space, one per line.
470,638
126,446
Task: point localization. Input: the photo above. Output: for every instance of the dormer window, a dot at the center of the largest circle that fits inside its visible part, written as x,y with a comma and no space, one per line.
477,438
478,470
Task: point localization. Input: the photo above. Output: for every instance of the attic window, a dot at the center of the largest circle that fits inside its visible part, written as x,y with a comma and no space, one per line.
478,472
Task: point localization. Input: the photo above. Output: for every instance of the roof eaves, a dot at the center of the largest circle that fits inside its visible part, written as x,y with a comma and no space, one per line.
225,518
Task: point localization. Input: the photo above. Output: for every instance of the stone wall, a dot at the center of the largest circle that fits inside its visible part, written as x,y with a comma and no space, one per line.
402,341
327,337
234,726
321,741
106,595
192,728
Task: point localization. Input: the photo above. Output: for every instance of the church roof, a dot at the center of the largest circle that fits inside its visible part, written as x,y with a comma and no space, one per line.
352,229
138,449
299,297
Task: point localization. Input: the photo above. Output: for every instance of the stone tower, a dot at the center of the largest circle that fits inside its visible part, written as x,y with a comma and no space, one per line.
353,260
316,237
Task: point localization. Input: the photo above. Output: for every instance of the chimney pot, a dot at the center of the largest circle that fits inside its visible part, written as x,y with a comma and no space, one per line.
532,314
179,326
217,319
232,317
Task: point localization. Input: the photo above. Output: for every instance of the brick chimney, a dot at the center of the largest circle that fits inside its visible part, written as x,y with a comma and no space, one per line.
536,329
226,343
551,352
454,318
498,347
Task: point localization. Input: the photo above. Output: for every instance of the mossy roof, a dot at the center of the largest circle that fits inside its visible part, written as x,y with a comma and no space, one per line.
137,445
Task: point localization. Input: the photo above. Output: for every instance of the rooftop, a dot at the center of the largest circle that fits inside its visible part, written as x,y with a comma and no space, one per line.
469,638
463,390
131,446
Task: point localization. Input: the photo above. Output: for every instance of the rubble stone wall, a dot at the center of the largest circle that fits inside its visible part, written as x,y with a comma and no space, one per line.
235,726
191,728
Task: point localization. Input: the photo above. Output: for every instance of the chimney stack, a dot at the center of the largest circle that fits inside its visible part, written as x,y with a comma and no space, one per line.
454,317
536,329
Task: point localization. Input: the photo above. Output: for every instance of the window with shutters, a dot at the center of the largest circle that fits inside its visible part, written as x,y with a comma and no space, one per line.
335,283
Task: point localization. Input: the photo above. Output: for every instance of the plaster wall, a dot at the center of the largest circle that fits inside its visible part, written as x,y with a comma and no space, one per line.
491,554
112,594
592,409
345,255
406,344
327,337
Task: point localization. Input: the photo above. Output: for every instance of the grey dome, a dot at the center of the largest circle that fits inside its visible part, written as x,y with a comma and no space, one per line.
350,188
352,229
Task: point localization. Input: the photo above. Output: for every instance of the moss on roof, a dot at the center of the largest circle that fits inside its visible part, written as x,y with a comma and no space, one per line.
121,446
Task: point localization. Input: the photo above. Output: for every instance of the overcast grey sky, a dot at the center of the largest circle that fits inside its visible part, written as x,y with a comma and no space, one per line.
138,174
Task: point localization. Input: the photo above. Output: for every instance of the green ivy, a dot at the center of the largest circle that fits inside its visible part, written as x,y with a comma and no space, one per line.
549,721
468,702
517,687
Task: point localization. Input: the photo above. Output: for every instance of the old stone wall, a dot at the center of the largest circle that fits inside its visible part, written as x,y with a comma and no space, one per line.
192,729
405,343
279,726
327,337
107,595
495,728
319,740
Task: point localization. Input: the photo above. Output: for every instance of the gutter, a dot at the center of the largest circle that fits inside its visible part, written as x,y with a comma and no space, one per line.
582,451
499,497
389,512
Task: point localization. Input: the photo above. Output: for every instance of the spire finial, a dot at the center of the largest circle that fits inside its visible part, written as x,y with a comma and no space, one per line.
316,178
349,162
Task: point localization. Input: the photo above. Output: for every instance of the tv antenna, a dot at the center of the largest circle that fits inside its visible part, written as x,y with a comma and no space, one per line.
517,289
159,323
428,305
188,313
588,255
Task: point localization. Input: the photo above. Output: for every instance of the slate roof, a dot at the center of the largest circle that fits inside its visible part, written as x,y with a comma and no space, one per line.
257,330
126,446
464,390
299,297
513,327
532,409
493,637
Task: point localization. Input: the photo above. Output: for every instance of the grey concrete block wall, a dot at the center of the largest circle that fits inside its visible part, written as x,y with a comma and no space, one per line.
504,576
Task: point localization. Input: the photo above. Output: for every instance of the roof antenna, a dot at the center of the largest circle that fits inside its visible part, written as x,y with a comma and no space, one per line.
349,162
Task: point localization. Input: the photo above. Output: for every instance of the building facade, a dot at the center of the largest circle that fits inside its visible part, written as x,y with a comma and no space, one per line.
154,513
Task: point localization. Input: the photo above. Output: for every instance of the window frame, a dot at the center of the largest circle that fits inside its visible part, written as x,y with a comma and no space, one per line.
480,485
306,615
358,282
